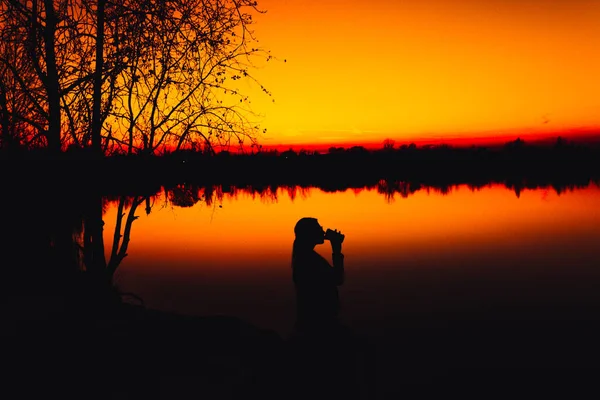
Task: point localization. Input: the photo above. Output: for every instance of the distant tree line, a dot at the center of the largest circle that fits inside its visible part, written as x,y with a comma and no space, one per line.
437,166
427,164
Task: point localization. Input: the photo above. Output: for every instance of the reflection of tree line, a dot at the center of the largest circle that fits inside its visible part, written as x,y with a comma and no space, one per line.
187,195
64,227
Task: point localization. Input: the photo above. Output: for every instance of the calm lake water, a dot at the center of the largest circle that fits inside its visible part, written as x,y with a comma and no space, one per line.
425,252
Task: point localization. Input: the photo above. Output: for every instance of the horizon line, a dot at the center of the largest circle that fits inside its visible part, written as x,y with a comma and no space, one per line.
589,135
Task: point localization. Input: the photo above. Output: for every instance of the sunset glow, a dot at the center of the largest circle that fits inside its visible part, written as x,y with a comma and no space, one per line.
355,71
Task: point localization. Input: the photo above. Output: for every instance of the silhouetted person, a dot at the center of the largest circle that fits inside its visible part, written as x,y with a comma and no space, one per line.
326,356
316,281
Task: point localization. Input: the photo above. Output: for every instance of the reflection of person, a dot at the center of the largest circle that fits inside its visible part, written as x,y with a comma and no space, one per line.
316,281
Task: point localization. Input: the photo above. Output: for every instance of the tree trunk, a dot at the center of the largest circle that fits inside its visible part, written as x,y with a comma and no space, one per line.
52,83
5,134
95,260
97,101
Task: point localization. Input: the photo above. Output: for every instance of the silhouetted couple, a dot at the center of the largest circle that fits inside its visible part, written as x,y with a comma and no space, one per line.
316,281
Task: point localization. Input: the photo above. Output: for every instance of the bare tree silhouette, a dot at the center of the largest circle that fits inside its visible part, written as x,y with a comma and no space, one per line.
134,76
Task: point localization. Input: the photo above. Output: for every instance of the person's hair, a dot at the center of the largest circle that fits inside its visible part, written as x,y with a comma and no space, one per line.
303,227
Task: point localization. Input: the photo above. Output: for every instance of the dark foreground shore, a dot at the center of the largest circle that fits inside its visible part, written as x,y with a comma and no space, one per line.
88,344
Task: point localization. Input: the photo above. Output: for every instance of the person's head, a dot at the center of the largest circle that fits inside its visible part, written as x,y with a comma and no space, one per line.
309,232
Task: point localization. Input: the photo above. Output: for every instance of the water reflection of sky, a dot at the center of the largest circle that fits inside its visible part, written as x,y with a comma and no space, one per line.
233,256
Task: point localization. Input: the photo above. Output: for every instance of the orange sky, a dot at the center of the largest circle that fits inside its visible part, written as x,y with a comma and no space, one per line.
362,71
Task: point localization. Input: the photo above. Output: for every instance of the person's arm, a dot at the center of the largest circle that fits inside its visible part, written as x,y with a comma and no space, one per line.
337,257
338,267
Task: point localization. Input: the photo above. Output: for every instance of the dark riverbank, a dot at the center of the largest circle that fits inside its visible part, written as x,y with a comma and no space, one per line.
133,353
78,339
86,343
